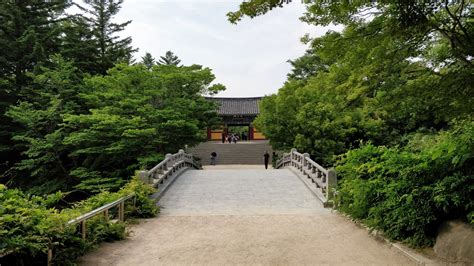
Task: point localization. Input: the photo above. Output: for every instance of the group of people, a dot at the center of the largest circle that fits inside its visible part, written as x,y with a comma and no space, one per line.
266,158
232,137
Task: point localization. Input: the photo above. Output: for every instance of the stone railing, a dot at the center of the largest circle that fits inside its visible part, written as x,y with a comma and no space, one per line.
164,173
103,210
325,180
160,176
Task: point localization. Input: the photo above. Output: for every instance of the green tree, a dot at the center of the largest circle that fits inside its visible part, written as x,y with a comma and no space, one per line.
388,100
136,116
110,48
169,59
28,36
148,60
363,88
92,134
415,21
52,94
78,44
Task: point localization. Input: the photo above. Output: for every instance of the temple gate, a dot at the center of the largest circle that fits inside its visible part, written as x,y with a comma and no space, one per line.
236,112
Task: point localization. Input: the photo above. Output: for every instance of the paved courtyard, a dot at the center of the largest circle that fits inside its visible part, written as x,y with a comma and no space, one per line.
244,216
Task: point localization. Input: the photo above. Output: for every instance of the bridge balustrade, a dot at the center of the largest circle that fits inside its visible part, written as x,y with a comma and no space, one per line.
168,169
325,180
163,174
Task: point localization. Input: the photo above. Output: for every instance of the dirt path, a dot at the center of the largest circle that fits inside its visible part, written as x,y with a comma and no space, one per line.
265,240
220,217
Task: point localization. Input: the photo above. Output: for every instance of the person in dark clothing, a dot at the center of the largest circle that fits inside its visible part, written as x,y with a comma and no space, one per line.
266,158
213,158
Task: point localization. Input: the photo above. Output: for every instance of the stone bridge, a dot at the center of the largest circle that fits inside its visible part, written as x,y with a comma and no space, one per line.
236,214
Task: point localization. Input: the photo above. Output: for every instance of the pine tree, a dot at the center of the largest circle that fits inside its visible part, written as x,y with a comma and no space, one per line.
110,48
148,60
79,45
169,59
28,36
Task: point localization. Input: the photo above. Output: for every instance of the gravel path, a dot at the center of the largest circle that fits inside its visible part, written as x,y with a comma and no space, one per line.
244,216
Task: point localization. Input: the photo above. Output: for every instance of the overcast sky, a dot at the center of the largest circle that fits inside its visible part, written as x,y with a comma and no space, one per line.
248,58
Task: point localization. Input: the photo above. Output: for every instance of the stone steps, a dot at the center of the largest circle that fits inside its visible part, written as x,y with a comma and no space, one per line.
248,152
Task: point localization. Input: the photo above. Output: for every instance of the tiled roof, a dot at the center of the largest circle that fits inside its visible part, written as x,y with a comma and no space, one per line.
237,106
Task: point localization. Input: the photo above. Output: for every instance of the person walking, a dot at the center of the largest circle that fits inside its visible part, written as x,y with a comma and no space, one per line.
266,158
213,158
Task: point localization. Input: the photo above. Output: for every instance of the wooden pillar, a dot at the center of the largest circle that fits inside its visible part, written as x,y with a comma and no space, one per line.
251,132
209,133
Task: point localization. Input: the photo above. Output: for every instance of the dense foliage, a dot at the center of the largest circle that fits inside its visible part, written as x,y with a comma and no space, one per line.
389,100
78,118
30,225
69,128
91,134
408,191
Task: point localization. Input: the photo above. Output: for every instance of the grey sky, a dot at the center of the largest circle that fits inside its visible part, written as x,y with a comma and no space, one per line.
248,58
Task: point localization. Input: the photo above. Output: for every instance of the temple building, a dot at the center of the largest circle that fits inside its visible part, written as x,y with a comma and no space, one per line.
237,116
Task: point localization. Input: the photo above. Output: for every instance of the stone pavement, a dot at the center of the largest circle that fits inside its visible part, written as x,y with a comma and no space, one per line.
239,192
244,216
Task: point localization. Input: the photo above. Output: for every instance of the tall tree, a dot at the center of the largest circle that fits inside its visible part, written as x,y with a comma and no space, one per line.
169,59
28,36
78,44
135,117
53,93
111,49
148,60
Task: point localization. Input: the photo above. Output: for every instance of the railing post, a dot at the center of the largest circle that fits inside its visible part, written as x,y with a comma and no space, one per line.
144,176
83,229
292,154
106,215
182,158
121,211
169,158
331,183
305,162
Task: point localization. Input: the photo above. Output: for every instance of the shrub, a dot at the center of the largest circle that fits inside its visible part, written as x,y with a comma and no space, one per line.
408,191
29,226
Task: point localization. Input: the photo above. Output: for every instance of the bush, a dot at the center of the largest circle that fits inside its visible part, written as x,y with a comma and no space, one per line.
407,192
29,226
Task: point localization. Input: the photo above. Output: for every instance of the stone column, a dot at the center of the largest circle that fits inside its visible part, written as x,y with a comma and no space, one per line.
291,157
144,176
305,163
331,182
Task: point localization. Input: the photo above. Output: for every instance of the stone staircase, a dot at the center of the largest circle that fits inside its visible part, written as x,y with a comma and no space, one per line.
244,152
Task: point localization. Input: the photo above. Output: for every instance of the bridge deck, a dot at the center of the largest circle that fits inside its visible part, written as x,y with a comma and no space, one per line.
244,216
239,192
